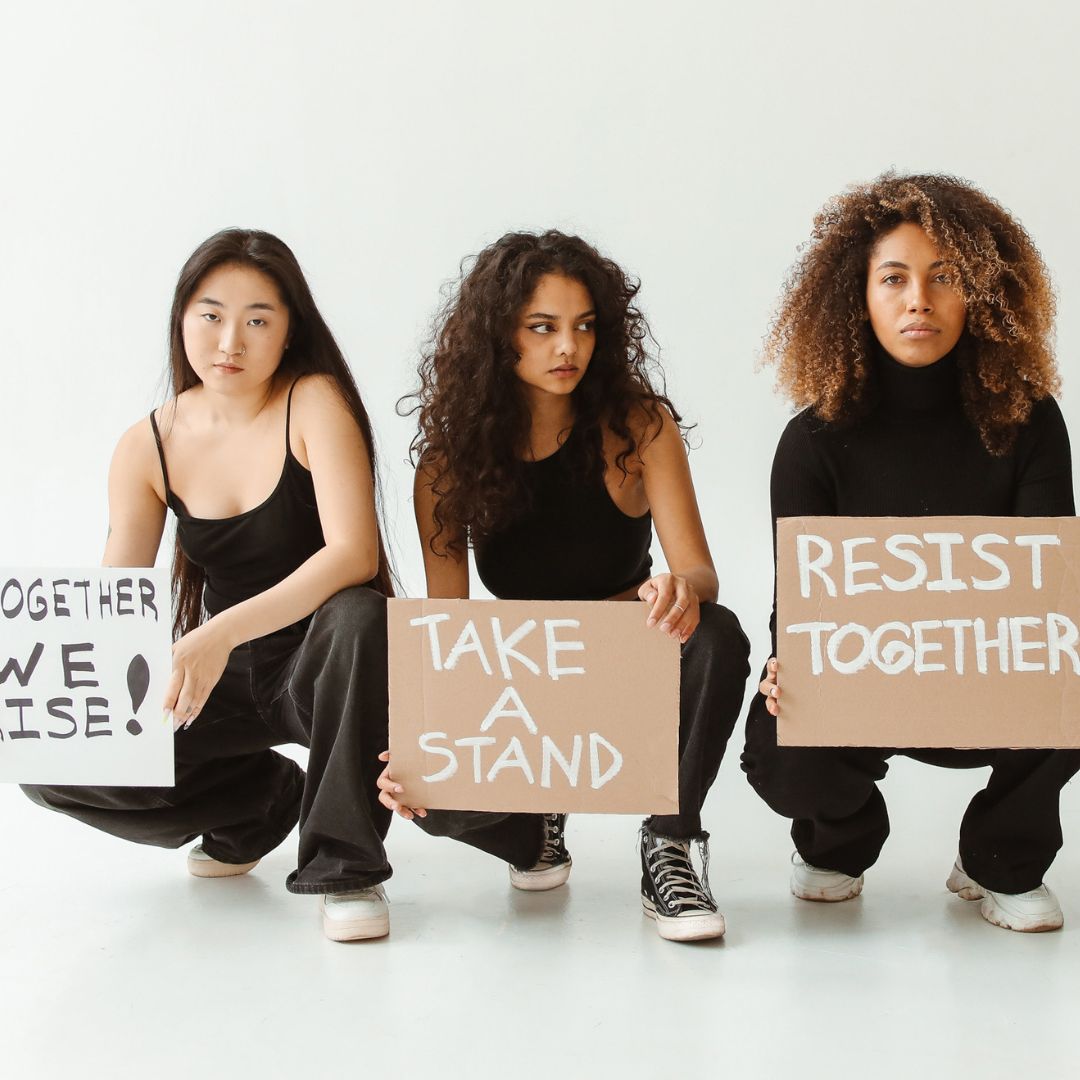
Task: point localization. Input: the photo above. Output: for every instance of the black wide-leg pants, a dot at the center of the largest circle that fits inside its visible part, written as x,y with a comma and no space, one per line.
320,683
1009,836
714,667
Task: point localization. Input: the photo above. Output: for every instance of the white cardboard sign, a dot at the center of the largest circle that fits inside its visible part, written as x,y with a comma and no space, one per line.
85,655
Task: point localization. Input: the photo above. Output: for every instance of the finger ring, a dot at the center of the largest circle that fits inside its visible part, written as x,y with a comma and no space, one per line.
679,606
192,709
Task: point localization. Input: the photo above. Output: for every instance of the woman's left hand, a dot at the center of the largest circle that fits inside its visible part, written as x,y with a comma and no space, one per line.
675,605
199,658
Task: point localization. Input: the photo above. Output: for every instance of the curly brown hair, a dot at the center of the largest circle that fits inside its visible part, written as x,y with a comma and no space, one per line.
474,418
821,339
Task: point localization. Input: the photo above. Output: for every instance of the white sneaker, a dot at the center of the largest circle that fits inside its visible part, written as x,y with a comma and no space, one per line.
1029,912
552,869
352,916
200,864
830,886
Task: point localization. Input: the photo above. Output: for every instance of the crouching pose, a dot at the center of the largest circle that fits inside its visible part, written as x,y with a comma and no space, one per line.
916,333
544,445
265,456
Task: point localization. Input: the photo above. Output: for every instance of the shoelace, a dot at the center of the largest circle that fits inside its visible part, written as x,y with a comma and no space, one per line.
673,872
553,844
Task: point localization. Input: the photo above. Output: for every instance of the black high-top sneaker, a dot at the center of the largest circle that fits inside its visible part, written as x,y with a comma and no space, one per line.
671,891
553,867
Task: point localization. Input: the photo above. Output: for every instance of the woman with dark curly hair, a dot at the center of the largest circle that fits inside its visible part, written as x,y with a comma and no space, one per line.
546,447
915,333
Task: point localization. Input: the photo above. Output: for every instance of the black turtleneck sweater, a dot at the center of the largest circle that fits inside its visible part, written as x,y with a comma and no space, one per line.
916,453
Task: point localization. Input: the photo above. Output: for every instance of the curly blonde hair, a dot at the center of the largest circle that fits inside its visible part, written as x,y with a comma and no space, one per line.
821,340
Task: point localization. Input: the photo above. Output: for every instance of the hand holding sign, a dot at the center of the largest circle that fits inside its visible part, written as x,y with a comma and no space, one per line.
389,788
675,605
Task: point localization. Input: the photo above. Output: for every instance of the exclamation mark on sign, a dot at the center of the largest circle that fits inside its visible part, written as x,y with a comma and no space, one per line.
138,682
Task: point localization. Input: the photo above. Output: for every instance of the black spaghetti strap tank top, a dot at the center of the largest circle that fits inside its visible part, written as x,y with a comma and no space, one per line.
249,553
573,542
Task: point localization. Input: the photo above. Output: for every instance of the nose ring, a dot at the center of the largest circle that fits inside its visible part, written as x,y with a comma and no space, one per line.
243,350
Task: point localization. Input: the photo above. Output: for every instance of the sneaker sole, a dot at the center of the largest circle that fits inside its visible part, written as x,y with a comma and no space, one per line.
356,929
828,894
211,868
992,912
685,927
541,880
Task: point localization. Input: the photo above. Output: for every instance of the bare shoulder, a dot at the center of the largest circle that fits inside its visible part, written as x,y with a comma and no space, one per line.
318,394
136,448
654,429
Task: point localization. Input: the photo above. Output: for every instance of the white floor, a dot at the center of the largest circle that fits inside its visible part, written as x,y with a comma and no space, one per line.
115,963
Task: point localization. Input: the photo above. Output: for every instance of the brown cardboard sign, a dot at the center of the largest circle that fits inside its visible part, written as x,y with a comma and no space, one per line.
541,706
928,631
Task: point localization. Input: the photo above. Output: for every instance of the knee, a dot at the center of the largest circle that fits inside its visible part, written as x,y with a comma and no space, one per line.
457,823
720,636
357,611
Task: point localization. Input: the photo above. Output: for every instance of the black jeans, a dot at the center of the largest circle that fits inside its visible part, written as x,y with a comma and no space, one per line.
715,664
320,683
1009,836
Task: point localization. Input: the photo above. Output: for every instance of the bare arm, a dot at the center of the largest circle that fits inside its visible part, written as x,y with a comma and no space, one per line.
669,488
447,571
136,500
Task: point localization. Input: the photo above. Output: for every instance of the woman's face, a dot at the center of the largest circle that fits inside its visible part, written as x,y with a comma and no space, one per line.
915,310
555,336
235,328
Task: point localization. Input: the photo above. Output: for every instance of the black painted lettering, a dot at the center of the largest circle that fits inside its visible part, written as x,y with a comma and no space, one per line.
59,599
105,600
96,720
10,607
56,707
146,597
85,586
71,666
123,597
22,674
21,732
37,607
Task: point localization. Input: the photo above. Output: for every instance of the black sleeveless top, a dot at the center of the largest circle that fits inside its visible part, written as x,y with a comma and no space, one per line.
251,552
573,542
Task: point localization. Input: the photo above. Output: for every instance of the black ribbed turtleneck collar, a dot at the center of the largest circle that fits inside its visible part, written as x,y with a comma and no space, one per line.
917,389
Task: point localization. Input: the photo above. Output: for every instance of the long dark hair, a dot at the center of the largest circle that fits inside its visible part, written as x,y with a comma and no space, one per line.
473,414
312,350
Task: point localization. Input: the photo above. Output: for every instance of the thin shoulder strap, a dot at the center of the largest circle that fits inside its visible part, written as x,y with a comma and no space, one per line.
161,454
288,416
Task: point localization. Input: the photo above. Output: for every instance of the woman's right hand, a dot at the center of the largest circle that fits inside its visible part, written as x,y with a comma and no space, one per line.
389,789
769,688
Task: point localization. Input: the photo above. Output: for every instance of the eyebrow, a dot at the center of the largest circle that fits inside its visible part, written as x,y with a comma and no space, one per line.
545,315
257,306
904,266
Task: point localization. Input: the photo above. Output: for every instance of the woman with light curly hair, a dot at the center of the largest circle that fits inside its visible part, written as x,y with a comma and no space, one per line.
915,333
547,445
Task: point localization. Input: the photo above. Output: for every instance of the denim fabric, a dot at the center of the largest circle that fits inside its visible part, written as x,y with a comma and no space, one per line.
712,684
1009,836
320,683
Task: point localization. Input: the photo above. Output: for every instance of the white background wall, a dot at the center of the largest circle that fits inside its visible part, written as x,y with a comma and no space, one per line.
692,142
